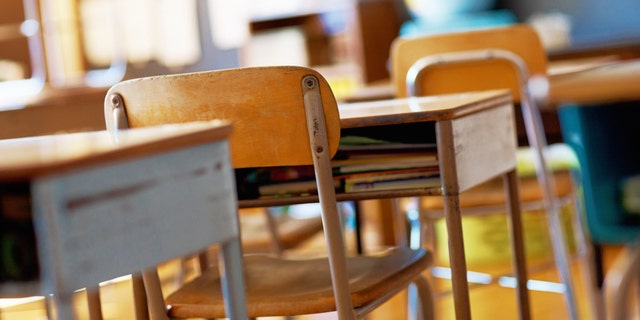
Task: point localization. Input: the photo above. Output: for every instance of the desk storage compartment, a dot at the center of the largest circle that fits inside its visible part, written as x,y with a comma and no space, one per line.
18,255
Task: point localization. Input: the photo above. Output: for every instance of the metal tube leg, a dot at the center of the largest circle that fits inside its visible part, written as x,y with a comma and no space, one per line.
94,303
457,259
587,258
139,297
64,309
562,259
233,282
424,294
517,242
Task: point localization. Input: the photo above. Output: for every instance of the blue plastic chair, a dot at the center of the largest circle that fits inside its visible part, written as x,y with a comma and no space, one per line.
606,140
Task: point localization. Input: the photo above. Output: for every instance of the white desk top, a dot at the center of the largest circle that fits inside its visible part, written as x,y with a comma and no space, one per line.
24,158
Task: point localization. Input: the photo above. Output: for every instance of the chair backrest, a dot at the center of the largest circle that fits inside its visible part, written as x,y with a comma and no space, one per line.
494,58
265,104
281,116
485,59
519,39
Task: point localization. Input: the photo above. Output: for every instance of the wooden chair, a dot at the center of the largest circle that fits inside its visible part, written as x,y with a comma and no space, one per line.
609,177
487,59
282,116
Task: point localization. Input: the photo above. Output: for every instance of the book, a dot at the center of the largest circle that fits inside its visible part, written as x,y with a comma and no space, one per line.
394,184
388,176
385,162
360,145
291,188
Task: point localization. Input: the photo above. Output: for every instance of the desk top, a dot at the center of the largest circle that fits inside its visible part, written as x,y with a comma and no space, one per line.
611,82
585,81
418,109
25,158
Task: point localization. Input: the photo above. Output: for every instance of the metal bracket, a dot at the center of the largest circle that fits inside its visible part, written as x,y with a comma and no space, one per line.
118,112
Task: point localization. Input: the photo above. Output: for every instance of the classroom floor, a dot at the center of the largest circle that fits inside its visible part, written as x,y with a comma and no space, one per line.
488,301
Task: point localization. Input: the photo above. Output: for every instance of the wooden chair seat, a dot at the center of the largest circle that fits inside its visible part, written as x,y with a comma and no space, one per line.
491,193
256,236
292,287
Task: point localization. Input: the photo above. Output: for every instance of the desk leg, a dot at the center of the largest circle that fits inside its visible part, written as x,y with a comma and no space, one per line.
457,258
517,242
233,283
450,190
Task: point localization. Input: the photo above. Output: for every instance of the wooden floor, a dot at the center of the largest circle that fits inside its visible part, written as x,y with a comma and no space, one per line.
489,301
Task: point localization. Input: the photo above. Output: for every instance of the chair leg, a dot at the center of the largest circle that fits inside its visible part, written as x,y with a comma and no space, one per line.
561,257
400,226
510,181
426,301
590,265
587,256
357,219
94,304
233,284
428,236
414,218
140,305
61,307
50,308
421,300
272,226
153,291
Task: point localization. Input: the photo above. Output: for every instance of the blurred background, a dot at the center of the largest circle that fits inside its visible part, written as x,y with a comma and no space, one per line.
59,57
64,54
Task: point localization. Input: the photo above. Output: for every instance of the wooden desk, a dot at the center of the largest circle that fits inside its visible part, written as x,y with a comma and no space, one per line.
93,197
612,82
476,141
54,111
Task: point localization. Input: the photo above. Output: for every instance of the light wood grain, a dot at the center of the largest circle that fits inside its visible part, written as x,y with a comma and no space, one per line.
267,105
24,158
472,151
419,109
612,82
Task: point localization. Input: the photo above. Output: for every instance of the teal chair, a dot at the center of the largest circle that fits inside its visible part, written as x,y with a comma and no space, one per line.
606,140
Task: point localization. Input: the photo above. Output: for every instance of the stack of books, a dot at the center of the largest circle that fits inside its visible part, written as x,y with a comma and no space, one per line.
364,164
361,164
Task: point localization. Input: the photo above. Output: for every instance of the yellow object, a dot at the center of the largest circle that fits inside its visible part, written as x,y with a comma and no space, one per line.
486,238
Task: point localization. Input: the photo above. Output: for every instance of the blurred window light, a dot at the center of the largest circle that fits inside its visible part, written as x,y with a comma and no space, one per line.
22,71
90,42
177,37
137,22
229,22
162,30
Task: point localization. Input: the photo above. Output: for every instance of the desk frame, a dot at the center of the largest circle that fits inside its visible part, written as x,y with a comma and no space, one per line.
476,141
